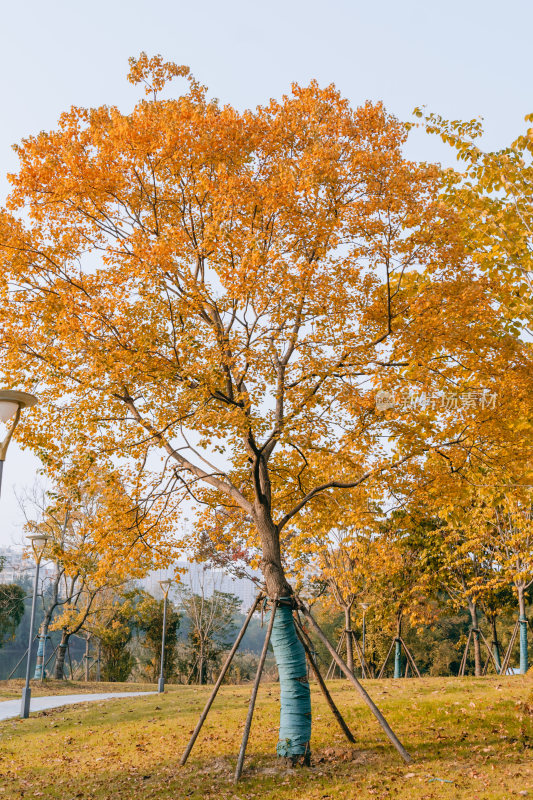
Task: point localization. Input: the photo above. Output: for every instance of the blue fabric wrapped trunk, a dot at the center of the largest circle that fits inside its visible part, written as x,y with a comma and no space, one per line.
523,646
295,712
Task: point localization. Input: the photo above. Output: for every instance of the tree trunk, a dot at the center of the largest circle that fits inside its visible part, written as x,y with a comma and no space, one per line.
201,663
295,711
495,642
40,672
348,636
478,668
43,636
398,649
59,667
295,707
41,650
523,630
87,658
271,566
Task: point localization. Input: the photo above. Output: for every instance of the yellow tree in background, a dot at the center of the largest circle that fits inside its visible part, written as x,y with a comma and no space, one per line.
505,514
96,543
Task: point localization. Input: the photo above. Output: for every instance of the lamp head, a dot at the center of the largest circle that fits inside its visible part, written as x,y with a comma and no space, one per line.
365,606
38,544
8,409
11,401
165,586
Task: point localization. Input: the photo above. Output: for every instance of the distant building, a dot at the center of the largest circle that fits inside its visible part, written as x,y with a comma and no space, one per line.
16,568
195,575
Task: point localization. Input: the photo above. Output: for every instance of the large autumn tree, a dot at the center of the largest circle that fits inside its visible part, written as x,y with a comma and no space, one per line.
213,297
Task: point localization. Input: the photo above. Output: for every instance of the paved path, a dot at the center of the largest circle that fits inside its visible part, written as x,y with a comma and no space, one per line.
11,708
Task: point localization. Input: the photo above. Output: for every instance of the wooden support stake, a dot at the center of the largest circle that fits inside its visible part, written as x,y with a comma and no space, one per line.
87,657
363,693
331,671
19,662
251,706
51,657
410,658
69,661
382,670
217,685
462,668
489,651
320,680
362,660
508,652
485,666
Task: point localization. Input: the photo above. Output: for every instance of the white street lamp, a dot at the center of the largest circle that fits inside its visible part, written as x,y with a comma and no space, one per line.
165,588
7,410
11,404
38,545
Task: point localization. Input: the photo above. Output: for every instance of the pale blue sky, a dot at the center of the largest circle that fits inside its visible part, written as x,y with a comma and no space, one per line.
461,59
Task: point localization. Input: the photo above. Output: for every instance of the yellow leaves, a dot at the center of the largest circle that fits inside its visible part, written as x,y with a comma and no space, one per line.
98,537
154,72
487,541
494,199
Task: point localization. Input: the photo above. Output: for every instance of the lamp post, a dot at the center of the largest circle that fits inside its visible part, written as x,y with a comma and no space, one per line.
40,671
38,544
365,607
165,587
11,404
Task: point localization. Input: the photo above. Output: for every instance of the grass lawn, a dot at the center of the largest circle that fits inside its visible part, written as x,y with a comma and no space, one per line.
470,738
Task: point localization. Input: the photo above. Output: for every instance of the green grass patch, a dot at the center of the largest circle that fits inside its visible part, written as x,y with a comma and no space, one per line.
470,738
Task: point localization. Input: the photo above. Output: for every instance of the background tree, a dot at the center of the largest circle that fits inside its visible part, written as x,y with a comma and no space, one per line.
113,623
510,523
78,516
41,513
456,556
488,539
149,613
345,577
211,621
337,568
492,197
11,607
497,602
400,583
